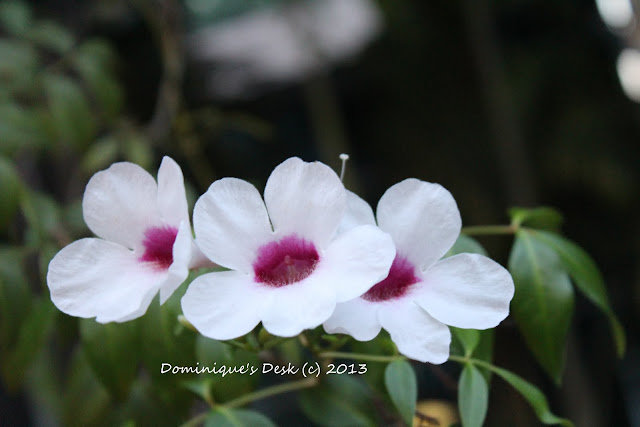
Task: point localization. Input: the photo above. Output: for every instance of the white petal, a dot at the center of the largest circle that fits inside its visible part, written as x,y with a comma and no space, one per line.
466,291
97,278
358,213
417,335
305,198
172,199
179,269
422,218
298,306
355,261
357,318
119,204
231,223
224,305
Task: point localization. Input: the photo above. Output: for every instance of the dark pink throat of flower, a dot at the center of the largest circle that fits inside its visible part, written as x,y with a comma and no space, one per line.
401,277
158,246
289,260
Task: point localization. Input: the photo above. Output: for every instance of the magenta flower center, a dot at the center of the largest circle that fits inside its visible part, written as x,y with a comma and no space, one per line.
289,260
401,277
158,246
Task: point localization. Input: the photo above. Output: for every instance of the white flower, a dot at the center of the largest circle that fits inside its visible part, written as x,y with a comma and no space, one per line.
145,245
288,271
422,294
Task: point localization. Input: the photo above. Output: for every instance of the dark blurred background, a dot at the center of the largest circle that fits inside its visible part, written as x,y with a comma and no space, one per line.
504,102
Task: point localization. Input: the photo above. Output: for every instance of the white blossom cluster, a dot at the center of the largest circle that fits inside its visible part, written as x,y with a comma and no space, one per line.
306,253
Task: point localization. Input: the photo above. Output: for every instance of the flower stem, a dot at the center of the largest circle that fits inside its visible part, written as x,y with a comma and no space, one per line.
478,362
197,420
271,391
359,356
488,230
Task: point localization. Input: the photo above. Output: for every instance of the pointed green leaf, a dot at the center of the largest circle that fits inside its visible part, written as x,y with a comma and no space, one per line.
31,337
533,395
543,302
586,276
223,417
473,396
72,118
94,62
112,350
469,338
543,218
10,195
402,387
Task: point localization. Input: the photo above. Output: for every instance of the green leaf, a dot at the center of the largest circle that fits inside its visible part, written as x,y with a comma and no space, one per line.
94,62
469,338
473,396
100,154
466,244
218,355
112,350
402,388
532,395
50,35
85,400
20,127
543,302
15,16
10,196
15,298
223,417
43,216
587,278
338,401
31,337
543,218
70,111
162,340
484,350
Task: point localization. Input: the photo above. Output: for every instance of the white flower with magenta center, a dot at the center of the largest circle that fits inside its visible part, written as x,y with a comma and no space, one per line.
422,293
288,268
145,245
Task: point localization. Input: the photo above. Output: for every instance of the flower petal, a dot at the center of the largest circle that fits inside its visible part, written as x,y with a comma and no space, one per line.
119,204
179,269
231,223
357,318
417,334
96,278
466,291
224,305
358,213
299,306
172,199
305,198
422,218
355,261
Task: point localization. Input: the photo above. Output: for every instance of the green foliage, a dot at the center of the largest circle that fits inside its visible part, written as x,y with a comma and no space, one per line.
545,218
466,244
402,387
223,417
10,196
473,396
113,351
587,278
533,396
338,401
543,301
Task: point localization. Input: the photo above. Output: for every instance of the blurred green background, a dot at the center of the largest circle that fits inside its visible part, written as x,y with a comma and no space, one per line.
504,102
